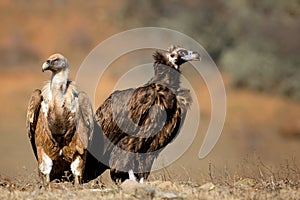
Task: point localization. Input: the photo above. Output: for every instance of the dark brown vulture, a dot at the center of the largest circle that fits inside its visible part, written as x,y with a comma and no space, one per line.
60,124
139,122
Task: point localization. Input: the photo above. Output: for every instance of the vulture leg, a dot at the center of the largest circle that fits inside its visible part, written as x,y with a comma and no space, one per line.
76,180
45,165
77,167
46,179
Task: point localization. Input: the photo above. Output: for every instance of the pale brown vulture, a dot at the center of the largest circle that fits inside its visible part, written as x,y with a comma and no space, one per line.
139,122
59,124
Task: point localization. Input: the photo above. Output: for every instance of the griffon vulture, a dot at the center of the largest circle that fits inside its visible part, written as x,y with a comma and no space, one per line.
140,122
60,124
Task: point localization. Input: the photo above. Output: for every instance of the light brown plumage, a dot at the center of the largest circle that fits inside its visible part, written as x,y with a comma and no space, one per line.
60,124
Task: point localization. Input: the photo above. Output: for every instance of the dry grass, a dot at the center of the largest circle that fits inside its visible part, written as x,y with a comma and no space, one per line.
254,180
266,186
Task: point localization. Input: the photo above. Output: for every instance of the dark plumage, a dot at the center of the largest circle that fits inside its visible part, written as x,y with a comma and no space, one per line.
140,122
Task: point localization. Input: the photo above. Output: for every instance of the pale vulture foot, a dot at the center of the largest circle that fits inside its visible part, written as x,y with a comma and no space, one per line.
45,168
141,180
45,180
77,180
77,168
132,177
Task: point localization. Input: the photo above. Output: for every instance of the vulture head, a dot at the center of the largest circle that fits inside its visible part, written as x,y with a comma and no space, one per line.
175,56
60,69
56,63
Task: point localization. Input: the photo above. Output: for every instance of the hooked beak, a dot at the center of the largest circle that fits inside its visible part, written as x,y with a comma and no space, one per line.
192,55
45,66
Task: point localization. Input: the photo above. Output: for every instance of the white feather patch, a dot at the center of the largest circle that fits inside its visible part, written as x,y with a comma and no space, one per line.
74,105
46,165
75,167
172,60
45,108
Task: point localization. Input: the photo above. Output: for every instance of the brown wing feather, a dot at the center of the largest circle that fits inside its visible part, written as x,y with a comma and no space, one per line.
85,121
117,116
33,111
154,108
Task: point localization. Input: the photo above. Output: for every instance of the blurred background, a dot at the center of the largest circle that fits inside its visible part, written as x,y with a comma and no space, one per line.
255,45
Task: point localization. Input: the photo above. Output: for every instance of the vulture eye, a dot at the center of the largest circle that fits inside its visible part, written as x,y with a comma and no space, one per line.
182,53
55,62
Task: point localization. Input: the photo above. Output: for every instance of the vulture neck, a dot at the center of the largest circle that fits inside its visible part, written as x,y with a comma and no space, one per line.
166,75
58,86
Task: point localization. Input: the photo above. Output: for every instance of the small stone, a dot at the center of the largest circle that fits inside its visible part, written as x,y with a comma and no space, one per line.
207,186
166,195
137,189
131,186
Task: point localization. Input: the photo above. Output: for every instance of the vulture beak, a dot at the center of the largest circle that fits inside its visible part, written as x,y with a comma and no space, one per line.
191,56
45,66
